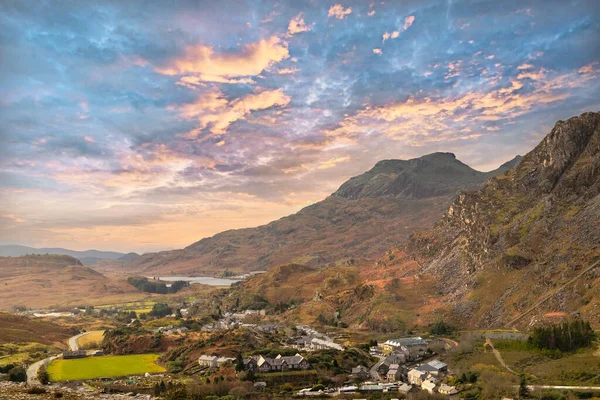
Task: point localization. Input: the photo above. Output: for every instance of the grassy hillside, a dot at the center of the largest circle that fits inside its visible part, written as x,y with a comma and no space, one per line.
51,280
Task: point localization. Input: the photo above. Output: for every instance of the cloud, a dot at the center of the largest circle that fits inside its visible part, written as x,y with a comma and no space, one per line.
205,64
286,71
408,21
377,51
371,13
215,113
338,11
297,25
449,118
332,162
392,35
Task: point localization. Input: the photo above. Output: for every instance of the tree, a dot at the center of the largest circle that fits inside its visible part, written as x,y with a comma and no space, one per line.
239,363
43,376
523,391
17,374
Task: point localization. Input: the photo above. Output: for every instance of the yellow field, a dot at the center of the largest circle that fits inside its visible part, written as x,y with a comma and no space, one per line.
91,339
99,367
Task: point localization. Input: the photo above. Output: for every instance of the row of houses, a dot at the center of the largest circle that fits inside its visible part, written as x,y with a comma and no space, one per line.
427,376
314,343
69,355
278,364
213,361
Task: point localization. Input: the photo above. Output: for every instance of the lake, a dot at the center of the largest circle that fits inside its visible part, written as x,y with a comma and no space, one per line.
205,280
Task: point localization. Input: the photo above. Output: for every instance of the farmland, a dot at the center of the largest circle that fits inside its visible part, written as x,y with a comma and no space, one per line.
91,339
110,366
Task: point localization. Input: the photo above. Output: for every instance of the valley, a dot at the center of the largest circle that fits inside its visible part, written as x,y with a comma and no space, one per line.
418,279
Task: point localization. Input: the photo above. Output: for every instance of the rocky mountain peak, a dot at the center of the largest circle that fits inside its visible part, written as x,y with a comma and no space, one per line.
432,175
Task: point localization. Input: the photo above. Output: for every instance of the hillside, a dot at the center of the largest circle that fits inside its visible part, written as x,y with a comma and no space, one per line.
18,329
495,254
365,217
87,257
50,280
524,235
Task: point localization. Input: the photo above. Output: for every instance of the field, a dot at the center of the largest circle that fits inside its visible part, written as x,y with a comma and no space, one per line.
91,339
98,367
137,306
23,353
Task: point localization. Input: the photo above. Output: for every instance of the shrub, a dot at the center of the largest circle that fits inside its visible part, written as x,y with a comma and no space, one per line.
17,374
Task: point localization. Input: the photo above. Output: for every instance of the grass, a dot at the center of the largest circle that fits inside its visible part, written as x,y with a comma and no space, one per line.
91,339
98,367
137,306
23,353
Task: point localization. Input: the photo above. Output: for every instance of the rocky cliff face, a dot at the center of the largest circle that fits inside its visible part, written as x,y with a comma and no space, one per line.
365,217
525,234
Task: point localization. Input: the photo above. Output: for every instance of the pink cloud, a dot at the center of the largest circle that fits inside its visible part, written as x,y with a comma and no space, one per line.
338,11
206,64
408,21
297,25
377,51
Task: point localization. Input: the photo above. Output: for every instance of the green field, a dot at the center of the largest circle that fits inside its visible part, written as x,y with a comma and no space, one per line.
108,366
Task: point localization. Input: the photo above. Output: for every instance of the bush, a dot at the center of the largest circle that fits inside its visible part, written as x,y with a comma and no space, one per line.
43,376
17,374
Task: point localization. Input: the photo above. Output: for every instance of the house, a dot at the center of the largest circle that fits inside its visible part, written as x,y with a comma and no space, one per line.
428,385
208,361
320,344
433,367
393,373
224,360
98,353
405,388
447,389
412,346
67,355
360,371
397,357
416,377
280,363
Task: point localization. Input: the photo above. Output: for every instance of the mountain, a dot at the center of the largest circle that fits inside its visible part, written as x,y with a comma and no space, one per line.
522,249
87,257
366,216
56,280
527,234
433,175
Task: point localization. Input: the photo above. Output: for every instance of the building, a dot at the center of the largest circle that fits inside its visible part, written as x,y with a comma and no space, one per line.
360,372
320,344
278,364
397,357
68,355
413,347
434,367
428,385
213,361
394,373
208,361
447,389
416,377
405,388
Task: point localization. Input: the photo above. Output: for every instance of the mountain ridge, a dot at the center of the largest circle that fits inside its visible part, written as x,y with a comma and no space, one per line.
336,229
87,257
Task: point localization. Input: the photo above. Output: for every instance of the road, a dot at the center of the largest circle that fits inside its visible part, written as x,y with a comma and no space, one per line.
488,341
33,369
373,370
534,387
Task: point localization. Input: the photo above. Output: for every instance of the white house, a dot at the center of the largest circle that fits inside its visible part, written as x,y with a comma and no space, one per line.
447,389
416,377
428,385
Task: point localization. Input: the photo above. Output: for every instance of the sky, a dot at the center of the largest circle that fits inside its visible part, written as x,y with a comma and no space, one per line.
148,125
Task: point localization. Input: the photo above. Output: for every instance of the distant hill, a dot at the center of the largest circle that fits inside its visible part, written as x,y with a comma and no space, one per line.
88,257
366,216
56,280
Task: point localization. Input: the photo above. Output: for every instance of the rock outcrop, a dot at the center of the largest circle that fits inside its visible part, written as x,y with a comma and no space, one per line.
525,233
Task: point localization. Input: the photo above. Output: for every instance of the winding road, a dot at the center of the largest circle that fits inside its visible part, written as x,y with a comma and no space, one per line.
33,369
